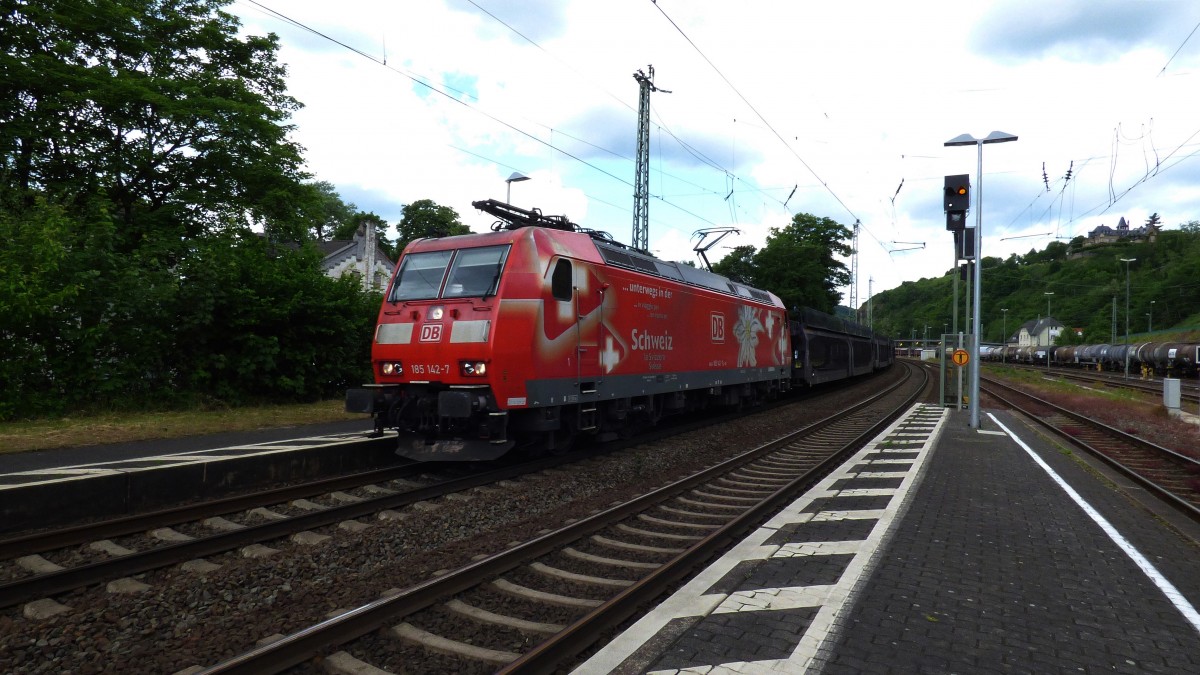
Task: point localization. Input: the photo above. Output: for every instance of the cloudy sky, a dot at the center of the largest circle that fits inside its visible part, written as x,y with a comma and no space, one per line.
776,107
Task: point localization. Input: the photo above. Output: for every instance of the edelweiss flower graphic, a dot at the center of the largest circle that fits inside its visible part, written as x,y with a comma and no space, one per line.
783,347
746,330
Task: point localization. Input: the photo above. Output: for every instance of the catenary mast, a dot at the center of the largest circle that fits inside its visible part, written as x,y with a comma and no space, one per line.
641,185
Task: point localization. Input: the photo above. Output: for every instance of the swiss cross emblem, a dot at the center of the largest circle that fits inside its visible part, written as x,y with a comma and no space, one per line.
431,332
717,321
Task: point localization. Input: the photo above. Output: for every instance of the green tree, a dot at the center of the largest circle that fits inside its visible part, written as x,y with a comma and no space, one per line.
139,141
261,322
799,262
738,265
37,285
426,218
330,215
157,103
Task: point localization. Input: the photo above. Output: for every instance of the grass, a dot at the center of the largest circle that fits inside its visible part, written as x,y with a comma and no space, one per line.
1119,409
66,432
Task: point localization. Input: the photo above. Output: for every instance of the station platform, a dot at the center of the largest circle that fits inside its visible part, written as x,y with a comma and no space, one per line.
942,549
38,489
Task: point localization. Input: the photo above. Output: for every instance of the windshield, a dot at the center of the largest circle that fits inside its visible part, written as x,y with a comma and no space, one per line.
473,272
421,275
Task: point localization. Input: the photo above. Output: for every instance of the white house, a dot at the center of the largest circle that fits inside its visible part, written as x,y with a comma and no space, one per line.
1039,333
358,255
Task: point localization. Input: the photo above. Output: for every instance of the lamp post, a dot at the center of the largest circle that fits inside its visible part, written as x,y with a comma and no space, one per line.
1004,337
1127,261
1150,318
1048,294
517,177
967,139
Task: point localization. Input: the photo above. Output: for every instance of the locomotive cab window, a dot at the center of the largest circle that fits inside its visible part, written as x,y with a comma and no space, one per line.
475,272
420,276
560,282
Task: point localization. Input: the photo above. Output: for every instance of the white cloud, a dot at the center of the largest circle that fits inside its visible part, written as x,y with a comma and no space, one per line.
839,101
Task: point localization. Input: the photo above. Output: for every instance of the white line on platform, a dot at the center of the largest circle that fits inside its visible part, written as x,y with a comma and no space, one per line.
1181,603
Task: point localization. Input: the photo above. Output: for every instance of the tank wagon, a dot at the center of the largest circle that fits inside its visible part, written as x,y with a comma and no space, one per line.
1170,359
542,331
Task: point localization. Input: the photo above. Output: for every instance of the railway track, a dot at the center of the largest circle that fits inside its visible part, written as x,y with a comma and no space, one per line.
220,526
538,604
1189,390
1172,476
114,549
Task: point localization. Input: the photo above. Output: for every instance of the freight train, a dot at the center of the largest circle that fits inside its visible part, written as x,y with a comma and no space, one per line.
541,332
1170,359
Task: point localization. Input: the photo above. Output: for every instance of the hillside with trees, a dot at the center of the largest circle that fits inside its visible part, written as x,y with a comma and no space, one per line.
1086,282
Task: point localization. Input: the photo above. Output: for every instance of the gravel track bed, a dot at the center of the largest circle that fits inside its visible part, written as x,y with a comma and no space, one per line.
526,577
187,618
441,621
503,603
592,548
591,569
384,651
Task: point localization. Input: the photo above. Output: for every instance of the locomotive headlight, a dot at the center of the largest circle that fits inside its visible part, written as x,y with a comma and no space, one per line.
473,368
392,368
436,313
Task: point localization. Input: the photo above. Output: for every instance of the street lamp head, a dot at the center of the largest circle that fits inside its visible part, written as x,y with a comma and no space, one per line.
968,139
961,139
999,137
1128,260
516,177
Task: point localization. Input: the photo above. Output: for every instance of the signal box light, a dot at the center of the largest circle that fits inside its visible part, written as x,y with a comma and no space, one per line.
957,193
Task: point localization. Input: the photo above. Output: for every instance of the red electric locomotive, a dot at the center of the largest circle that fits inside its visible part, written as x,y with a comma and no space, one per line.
540,331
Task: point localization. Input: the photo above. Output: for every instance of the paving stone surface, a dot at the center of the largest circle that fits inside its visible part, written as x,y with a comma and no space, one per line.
966,557
738,636
995,570
753,610
822,530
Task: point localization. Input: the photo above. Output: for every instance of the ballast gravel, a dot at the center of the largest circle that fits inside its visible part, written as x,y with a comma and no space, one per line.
188,618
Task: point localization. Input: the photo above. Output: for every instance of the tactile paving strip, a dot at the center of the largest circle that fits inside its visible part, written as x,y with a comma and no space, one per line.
767,605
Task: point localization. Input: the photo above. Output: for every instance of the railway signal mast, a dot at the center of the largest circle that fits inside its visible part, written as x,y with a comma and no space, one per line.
854,273
641,184
967,139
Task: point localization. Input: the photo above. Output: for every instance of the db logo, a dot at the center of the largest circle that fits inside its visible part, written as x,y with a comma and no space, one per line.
717,321
431,332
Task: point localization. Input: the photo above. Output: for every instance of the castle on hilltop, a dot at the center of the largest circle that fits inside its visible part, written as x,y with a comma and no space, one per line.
1107,235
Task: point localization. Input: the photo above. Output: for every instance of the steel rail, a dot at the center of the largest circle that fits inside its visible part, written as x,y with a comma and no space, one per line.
297,647
1188,392
46,585
1184,506
548,656
125,525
